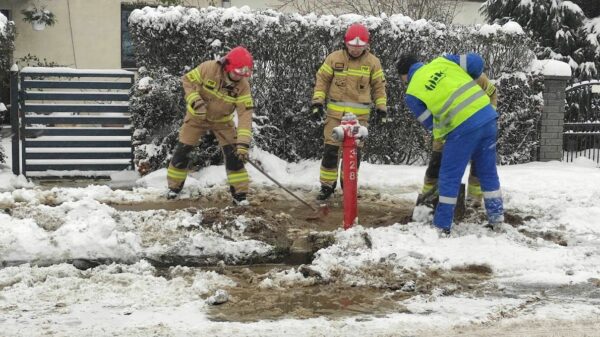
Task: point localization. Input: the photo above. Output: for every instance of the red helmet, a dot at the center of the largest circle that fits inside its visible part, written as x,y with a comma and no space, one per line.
357,35
239,61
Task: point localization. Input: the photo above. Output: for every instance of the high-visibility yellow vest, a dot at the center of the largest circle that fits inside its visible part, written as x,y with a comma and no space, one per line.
449,93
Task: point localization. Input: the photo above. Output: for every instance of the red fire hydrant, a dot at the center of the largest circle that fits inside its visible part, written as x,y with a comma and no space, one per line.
349,132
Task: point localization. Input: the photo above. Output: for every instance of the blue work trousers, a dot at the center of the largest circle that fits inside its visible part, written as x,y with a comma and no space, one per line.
479,145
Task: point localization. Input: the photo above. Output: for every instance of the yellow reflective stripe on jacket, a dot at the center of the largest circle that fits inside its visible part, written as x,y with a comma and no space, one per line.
222,119
491,89
326,68
233,178
377,74
244,132
355,108
358,72
193,111
320,94
381,101
353,72
194,76
222,96
246,100
176,174
192,97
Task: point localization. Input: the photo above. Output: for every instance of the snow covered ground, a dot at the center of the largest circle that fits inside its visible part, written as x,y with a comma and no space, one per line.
535,282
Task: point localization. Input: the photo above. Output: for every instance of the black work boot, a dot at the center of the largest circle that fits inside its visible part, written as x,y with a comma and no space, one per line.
325,193
239,199
173,194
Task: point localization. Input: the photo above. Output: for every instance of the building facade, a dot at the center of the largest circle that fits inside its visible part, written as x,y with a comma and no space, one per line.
93,34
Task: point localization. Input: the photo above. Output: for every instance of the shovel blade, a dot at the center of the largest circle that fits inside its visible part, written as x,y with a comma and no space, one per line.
320,213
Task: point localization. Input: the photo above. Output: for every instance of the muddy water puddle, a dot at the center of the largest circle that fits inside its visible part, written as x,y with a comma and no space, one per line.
250,302
371,212
248,305
252,299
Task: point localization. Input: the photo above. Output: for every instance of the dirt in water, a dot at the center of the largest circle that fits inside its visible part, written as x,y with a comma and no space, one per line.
373,211
277,219
250,300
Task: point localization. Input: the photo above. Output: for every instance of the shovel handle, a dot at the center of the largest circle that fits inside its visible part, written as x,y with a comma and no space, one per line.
283,187
273,179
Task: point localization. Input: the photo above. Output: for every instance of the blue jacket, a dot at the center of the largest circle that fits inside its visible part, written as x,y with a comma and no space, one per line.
475,65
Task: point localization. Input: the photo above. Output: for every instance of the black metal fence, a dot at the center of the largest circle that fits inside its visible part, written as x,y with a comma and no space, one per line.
72,122
581,135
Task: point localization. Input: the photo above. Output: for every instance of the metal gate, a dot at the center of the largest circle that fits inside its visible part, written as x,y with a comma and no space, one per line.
72,122
581,136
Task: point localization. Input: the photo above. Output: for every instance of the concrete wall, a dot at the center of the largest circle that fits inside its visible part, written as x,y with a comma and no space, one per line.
86,35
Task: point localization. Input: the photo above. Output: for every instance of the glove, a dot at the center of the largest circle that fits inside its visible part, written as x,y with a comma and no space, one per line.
380,117
242,152
317,111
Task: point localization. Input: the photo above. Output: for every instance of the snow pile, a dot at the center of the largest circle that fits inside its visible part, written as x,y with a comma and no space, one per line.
564,205
551,68
555,247
9,182
510,28
81,229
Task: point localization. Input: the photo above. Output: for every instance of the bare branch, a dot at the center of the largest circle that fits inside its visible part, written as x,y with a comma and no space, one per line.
442,11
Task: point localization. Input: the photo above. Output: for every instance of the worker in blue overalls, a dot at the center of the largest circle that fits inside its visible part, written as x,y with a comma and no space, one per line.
445,97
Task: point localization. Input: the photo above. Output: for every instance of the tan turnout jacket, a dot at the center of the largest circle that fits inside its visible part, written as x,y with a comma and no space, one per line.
350,84
211,96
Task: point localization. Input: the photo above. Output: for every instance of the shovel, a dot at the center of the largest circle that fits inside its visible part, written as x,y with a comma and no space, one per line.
318,213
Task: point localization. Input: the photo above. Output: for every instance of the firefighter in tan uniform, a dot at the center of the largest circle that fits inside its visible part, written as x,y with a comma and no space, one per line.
351,80
213,91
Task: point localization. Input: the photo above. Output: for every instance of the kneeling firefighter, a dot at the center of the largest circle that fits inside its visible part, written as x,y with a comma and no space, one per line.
213,91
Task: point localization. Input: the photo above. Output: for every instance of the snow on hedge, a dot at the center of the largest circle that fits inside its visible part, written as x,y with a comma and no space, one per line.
3,23
288,49
7,46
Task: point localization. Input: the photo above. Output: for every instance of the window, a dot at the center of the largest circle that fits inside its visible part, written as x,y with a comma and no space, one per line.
127,54
6,13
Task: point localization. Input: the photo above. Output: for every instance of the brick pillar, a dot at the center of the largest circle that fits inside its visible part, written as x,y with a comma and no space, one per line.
553,116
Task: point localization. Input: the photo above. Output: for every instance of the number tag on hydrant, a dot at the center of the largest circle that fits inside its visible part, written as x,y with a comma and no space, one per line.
350,132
